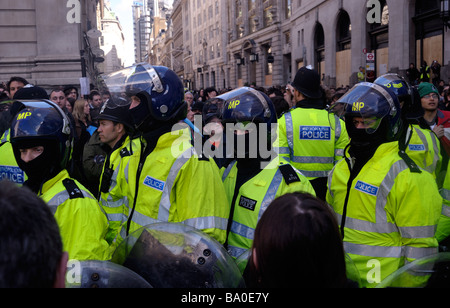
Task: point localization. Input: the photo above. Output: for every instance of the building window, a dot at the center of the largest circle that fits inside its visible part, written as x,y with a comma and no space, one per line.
344,31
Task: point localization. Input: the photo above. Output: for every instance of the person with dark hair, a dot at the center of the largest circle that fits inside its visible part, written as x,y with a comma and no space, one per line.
309,138
281,106
297,244
95,104
210,93
71,91
274,91
14,84
29,237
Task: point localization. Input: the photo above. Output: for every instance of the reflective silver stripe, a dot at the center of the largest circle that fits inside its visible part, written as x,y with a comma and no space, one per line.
445,210
445,193
283,150
389,251
382,225
424,141
211,222
5,136
271,193
337,127
116,217
314,174
236,251
164,204
339,152
143,220
62,197
249,232
312,160
289,131
228,170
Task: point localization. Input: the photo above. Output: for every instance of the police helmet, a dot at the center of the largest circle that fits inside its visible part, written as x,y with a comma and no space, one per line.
116,110
175,255
406,94
43,120
378,107
157,87
247,105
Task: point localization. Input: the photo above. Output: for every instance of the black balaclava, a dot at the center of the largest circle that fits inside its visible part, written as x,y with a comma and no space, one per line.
43,167
364,145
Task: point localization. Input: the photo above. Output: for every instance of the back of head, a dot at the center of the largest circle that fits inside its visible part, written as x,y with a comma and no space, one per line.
307,82
297,244
29,239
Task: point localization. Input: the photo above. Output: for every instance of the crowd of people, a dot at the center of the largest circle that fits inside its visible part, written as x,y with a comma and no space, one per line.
347,185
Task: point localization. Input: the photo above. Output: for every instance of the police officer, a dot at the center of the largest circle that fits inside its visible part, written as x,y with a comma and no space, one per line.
114,126
257,175
41,139
8,165
311,141
418,141
387,209
162,178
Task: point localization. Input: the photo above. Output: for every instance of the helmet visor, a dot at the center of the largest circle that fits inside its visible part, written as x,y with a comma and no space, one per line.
39,119
367,104
130,81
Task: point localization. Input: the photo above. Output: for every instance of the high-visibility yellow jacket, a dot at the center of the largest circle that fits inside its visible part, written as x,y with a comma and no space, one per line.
115,201
424,149
312,140
8,165
254,197
443,229
81,221
391,214
175,185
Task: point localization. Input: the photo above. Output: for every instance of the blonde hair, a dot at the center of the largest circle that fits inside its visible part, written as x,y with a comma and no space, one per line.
78,111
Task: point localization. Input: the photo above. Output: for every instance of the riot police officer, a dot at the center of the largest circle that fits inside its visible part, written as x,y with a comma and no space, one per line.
42,142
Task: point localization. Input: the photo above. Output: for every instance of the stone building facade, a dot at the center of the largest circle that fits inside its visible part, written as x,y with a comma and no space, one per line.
263,42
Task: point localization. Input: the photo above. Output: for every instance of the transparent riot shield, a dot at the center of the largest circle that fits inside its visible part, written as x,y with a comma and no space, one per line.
102,274
174,255
428,272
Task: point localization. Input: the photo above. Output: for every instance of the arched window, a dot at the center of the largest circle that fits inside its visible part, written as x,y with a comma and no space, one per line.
319,48
344,31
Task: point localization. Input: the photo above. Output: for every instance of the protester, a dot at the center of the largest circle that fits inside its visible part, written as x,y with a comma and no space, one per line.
297,245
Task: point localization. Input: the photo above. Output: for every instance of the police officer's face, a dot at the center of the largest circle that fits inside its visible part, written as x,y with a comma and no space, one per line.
28,155
108,132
